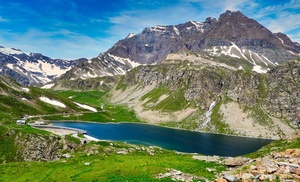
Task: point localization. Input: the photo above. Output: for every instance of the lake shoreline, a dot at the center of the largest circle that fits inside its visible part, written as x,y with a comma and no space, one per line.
169,138
151,124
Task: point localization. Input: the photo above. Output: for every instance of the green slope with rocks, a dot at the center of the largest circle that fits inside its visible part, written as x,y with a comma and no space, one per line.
179,93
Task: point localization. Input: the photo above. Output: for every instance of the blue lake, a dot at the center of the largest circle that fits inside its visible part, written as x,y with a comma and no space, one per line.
172,139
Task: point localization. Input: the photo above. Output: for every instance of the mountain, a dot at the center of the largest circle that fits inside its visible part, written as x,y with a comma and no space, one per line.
232,39
33,68
233,34
211,98
17,101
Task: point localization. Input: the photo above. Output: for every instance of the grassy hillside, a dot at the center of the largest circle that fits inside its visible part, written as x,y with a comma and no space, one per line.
107,165
17,101
107,113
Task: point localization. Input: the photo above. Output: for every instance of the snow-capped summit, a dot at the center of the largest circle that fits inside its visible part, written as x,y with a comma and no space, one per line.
232,39
33,68
11,51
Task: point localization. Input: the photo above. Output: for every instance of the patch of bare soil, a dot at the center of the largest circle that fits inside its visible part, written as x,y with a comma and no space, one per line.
242,123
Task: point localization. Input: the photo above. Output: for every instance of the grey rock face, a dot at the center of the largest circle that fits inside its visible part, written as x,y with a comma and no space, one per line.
233,39
153,44
277,91
284,91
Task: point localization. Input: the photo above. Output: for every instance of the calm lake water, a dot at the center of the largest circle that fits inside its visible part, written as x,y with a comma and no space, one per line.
172,139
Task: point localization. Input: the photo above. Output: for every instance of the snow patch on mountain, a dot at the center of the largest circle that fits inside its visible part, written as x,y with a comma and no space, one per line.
11,66
86,107
280,39
26,89
24,99
292,52
125,61
258,69
11,51
48,86
33,68
258,61
130,35
268,60
52,102
44,68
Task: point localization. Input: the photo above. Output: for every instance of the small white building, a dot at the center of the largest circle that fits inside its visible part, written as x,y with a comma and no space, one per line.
21,122
102,106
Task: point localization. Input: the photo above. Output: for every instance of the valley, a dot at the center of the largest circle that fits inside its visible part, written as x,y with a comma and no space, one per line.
129,100
228,75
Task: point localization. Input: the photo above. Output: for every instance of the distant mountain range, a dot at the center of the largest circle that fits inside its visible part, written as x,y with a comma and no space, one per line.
232,40
33,68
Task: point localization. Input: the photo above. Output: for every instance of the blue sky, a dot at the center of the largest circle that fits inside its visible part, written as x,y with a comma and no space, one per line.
84,28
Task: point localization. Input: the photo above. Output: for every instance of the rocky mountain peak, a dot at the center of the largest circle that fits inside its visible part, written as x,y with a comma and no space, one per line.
231,13
209,20
235,26
31,68
130,35
233,39
153,44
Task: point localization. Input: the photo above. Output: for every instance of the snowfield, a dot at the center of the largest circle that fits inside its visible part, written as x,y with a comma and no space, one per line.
25,89
48,86
52,102
258,69
11,51
86,107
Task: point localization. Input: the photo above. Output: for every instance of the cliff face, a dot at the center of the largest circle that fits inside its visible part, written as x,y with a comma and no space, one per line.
264,97
283,96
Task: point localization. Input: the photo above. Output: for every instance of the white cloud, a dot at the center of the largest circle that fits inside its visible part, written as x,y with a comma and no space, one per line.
278,9
281,18
284,22
135,21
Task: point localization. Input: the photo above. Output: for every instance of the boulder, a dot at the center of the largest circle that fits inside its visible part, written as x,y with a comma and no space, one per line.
295,171
293,152
288,164
230,178
264,177
178,173
271,170
266,161
247,176
252,167
67,155
233,162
